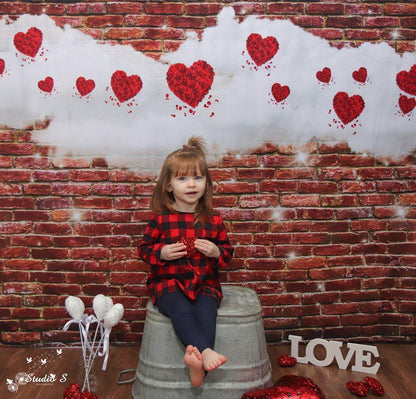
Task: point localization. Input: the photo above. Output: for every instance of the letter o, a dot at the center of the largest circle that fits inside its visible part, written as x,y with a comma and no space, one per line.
310,355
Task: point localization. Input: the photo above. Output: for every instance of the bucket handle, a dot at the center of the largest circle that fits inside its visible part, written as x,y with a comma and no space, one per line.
120,382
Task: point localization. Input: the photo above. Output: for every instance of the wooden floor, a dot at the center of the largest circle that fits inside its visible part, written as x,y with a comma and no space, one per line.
397,372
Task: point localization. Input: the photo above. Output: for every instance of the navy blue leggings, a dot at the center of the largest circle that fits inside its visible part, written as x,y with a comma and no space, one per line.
194,322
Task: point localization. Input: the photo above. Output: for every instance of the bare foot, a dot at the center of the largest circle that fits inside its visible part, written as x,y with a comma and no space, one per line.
193,359
212,359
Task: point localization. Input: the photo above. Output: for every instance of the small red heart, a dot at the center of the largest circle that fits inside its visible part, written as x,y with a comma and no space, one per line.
286,361
406,104
358,388
407,80
2,66
374,385
84,86
191,84
360,75
280,92
261,50
324,76
190,246
348,108
28,43
46,85
125,87
88,395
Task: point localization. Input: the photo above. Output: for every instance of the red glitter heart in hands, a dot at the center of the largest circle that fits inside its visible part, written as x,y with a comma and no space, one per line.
286,361
125,87
28,43
348,108
324,76
374,385
261,50
84,86
358,388
2,66
46,85
190,246
407,80
360,75
191,84
406,104
280,92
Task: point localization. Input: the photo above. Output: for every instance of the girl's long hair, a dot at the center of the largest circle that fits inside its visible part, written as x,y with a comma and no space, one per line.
184,162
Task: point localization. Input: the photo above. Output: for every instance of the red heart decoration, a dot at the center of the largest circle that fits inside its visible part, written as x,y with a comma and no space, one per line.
125,87
288,387
73,391
88,395
261,50
84,86
407,80
280,92
358,388
324,76
406,104
286,361
348,108
374,385
2,66
191,84
360,75
28,43
190,246
46,85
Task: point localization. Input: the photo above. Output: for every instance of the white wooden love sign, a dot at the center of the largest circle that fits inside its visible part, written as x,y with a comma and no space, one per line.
333,350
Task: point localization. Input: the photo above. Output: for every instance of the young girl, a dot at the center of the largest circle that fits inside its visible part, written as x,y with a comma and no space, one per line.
186,243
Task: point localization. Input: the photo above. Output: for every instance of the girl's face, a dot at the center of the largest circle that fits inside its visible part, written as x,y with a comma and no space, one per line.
187,191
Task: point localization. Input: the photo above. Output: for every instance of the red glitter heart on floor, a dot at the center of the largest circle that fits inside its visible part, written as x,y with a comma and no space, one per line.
407,80
46,85
324,76
125,87
261,50
84,86
191,84
280,92
358,388
374,385
360,75
406,104
28,43
348,108
286,361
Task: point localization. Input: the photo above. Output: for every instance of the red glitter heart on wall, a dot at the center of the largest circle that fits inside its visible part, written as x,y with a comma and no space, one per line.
2,66
348,108
324,76
46,85
191,84
406,104
407,80
28,43
360,75
125,87
261,50
280,92
84,86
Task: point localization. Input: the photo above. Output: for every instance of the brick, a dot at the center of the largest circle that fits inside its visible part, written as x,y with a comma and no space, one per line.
185,22
325,8
90,253
49,253
54,203
37,189
326,33
70,189
73,21
356,160
85,8
86,277
363,9
15,227
317,187
203,8
51,175
299,200
47,9
15,175
72,241
381,22
61,289
123,33
10,189
17,149
400,9
308,21
285,8
123,7
376,199
100,21
339,201
20,337
306,263
344,22
363,34
144,20
22,288
164,8
145,45
9,7
163,33
24,264
256,201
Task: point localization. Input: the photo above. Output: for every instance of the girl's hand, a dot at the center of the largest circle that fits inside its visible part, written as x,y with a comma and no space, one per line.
173,251
208,248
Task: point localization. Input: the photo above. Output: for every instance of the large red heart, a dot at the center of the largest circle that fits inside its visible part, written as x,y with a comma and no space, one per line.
358,388
348,108
191,84
324,76
406,104
125,87
46,85
280,92
73,391
360,75
2,66
407,80
261,50
28,43
84,86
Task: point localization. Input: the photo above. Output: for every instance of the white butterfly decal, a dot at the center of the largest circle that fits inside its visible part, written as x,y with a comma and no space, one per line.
59,352
9,381
43,361
28,360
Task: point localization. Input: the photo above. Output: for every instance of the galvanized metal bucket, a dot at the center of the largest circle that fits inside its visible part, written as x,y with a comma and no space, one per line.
240,336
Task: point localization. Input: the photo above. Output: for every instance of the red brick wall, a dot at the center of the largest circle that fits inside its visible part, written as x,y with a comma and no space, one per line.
339,263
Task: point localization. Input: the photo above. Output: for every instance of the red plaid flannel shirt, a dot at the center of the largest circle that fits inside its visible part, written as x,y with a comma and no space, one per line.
192,276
